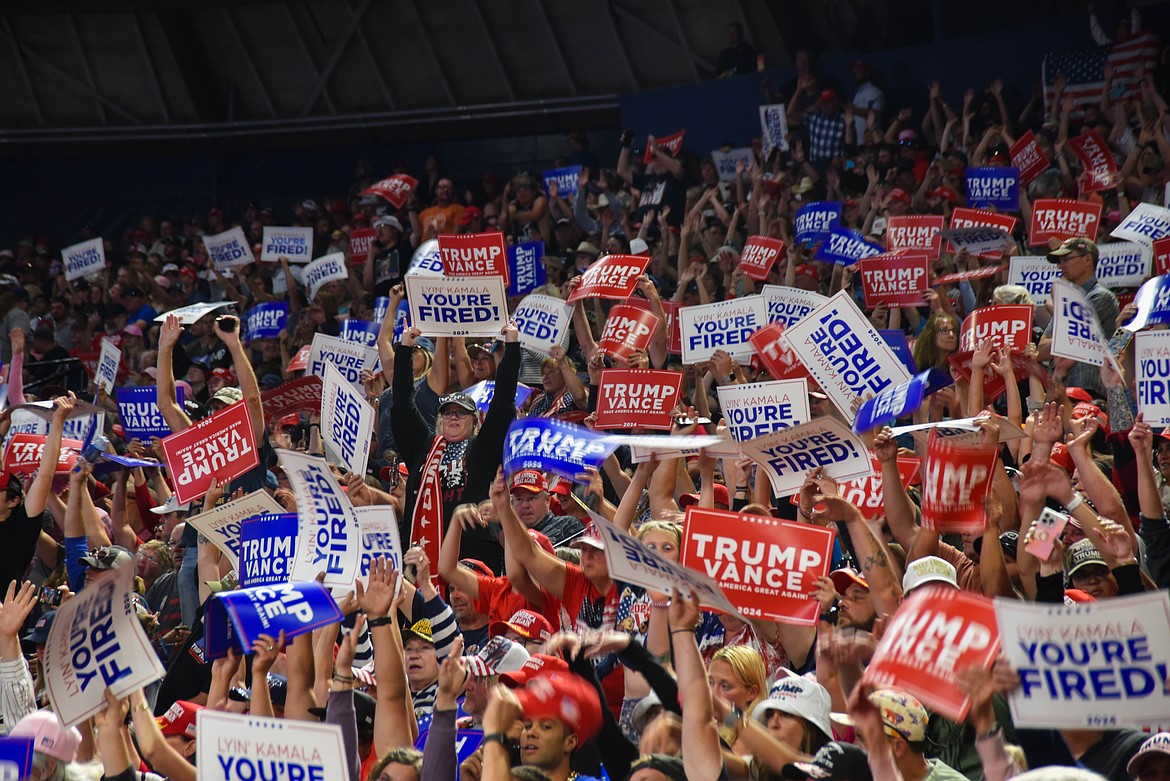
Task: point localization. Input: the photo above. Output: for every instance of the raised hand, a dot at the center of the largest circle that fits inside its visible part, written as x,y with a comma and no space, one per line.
376,596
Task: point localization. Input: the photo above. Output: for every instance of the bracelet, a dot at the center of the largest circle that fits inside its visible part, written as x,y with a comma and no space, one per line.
739,488
680,631
374,623
341,677
495,737
311,425
803,513
660,604
1076,502
142,706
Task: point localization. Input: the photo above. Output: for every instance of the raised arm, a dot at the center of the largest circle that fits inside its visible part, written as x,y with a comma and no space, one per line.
900,512
545,568
227,328
703,758
37,494
170,410
394,723
386,334
1149,497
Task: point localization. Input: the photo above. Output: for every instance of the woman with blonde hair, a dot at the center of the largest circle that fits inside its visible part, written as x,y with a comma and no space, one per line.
737,674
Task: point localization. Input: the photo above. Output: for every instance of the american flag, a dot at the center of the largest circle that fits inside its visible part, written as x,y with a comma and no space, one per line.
1085,69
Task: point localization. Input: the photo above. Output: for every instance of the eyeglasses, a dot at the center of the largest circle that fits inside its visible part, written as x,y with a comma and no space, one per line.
454,413
950,329
1071,256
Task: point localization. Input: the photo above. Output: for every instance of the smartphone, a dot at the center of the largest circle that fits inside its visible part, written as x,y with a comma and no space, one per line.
51,597
227,323
1048,528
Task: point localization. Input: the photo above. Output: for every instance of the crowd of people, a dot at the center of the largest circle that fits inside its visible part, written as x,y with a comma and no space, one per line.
517,634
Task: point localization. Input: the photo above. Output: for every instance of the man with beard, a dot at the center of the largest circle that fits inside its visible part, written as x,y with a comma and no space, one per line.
854,604
473,624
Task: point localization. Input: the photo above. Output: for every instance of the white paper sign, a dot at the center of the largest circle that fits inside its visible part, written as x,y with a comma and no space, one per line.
723,325
83,259
427,262
789,454
106,374
457,306
543,322
1152,358
1147,223
760,408
228,249
349,357
96,643
380,537
329,539
221,524
1100,665
325,269
979,239
1076,332
773,129
231,747
296,244
725,162
845,354
630,561
790,305
347,422
1035,274
192,314
1122,264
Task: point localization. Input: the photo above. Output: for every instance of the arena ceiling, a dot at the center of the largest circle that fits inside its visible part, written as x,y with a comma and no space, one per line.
141,71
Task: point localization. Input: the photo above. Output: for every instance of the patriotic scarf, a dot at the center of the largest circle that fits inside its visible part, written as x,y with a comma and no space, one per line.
426,525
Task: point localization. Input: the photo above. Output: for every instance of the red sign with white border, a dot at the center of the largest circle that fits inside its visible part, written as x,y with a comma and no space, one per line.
637,398
396,189
613,276
777,357
1100,166
1027,156
895,280
765,566
23,454
1162,256
915,232
220,447
1007,325
964,217
359,245
936,632
672,143
759,255
956,481
627,330
866,493
293,396
1063,218
474,255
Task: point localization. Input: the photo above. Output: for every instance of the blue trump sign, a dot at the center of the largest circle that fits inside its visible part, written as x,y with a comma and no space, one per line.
236,619
525,271
266,320
138,411
267,545
553,446
814,220
997,186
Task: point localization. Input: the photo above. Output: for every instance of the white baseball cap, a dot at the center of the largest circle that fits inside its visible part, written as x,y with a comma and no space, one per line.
798,697
928,569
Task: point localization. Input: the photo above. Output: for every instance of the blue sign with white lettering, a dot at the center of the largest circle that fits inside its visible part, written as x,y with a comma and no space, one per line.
362,332
992,185
525,271
814,220
568,179
16,757
138,411
901,346
482,392
267,545
401,321
236,619
266,320
904,399
845,247
381,307
553,446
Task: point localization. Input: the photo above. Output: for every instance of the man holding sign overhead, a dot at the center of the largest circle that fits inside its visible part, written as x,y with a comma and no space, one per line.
458,465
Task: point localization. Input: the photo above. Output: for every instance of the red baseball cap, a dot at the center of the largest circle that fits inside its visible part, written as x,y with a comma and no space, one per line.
1061,458
565,697
1086,410
846,577
1079,394
809,269
526,623
530,480
290,419
721,497
537,665
179,719
542,540
898,194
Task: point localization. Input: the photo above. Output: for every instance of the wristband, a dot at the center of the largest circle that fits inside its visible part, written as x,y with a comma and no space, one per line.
374,623
495,737
680,631
829,616
1076,502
